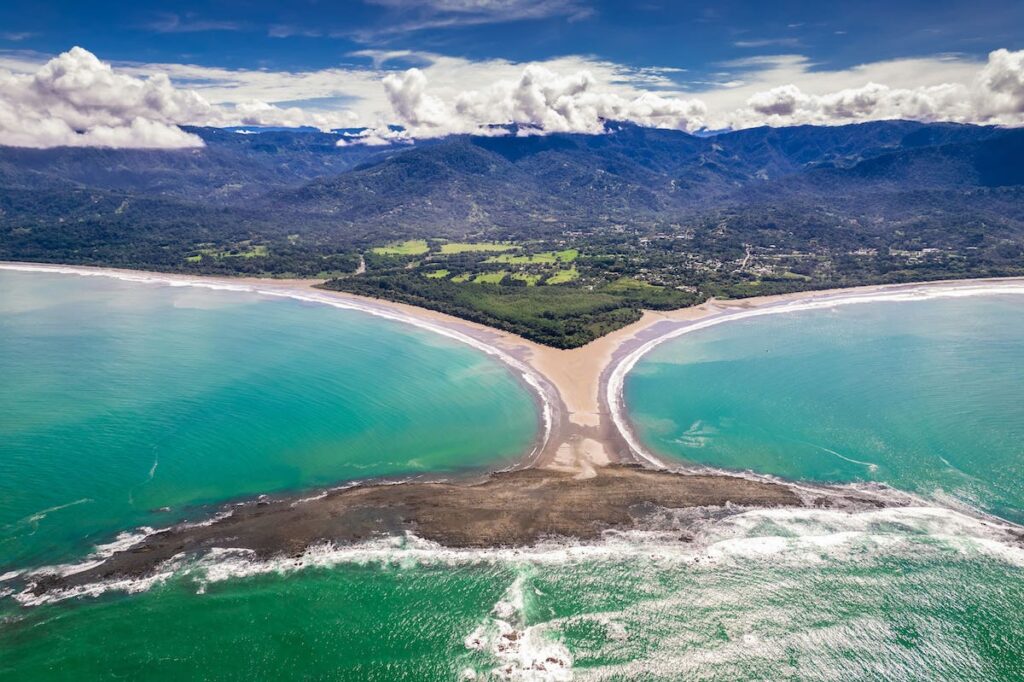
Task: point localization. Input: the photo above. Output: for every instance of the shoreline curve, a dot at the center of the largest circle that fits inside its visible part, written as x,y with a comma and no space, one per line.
535,383
614,376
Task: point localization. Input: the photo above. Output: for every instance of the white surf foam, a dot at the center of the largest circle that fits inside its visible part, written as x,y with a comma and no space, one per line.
522,652
125,585
123,541
720,536
532,380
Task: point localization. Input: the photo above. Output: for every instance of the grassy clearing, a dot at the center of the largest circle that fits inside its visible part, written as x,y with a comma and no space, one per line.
475,247
531,280
241,251
410,247
543,258
563,276
464,277
624,284
437,274
490,277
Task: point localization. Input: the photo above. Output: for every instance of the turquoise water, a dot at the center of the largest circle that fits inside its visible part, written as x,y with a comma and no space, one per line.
927,396
243,395
762,596
120,399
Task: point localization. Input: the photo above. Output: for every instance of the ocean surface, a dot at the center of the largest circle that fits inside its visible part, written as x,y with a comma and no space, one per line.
123,399
913,594
926,396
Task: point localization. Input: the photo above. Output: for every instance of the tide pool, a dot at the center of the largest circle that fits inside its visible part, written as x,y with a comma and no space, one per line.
926,396
127,404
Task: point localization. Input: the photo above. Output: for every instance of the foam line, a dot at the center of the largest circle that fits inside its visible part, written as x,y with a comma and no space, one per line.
34,518
785,535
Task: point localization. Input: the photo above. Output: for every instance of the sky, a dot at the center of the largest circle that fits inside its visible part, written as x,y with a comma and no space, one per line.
106,74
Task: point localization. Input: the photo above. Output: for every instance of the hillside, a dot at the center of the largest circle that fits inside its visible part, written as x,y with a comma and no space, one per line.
655,218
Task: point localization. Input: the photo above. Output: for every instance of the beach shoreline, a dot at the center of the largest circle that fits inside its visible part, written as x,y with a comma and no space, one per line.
631,351
587,473
578,391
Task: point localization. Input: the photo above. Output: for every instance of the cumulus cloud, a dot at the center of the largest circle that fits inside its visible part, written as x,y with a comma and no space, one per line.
788,105
995,94
778,90
1002,82
76,100
539,99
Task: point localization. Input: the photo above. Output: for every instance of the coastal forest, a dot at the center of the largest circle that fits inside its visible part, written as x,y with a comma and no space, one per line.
560,238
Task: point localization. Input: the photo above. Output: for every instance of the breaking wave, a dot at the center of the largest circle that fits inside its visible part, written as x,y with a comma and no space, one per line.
697,538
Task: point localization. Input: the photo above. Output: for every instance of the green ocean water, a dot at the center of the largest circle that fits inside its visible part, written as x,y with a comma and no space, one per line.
909,594
763,597
926,396
120,399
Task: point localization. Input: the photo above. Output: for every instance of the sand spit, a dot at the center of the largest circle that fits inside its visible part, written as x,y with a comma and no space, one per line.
587,473
578,390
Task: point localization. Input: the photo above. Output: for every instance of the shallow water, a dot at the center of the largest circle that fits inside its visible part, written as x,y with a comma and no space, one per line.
120,399
927,396
917,593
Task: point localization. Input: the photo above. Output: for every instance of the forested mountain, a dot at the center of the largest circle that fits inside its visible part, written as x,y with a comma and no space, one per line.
759,210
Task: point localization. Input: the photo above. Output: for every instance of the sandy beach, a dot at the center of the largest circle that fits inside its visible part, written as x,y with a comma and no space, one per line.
587,472
578,390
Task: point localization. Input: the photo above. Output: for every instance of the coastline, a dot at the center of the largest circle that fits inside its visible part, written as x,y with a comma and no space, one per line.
578,391
587,474
671,327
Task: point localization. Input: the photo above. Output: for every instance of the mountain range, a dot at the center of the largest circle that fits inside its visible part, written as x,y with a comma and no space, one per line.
299,190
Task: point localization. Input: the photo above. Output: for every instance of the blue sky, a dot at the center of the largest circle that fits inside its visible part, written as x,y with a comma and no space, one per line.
311,34
442,66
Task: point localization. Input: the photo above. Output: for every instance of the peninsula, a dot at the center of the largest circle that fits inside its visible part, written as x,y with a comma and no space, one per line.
587,473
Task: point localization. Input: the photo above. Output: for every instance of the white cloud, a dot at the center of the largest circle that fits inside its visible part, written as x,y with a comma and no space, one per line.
539,98
1002,80
74,99
993,93
778,90
382,57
